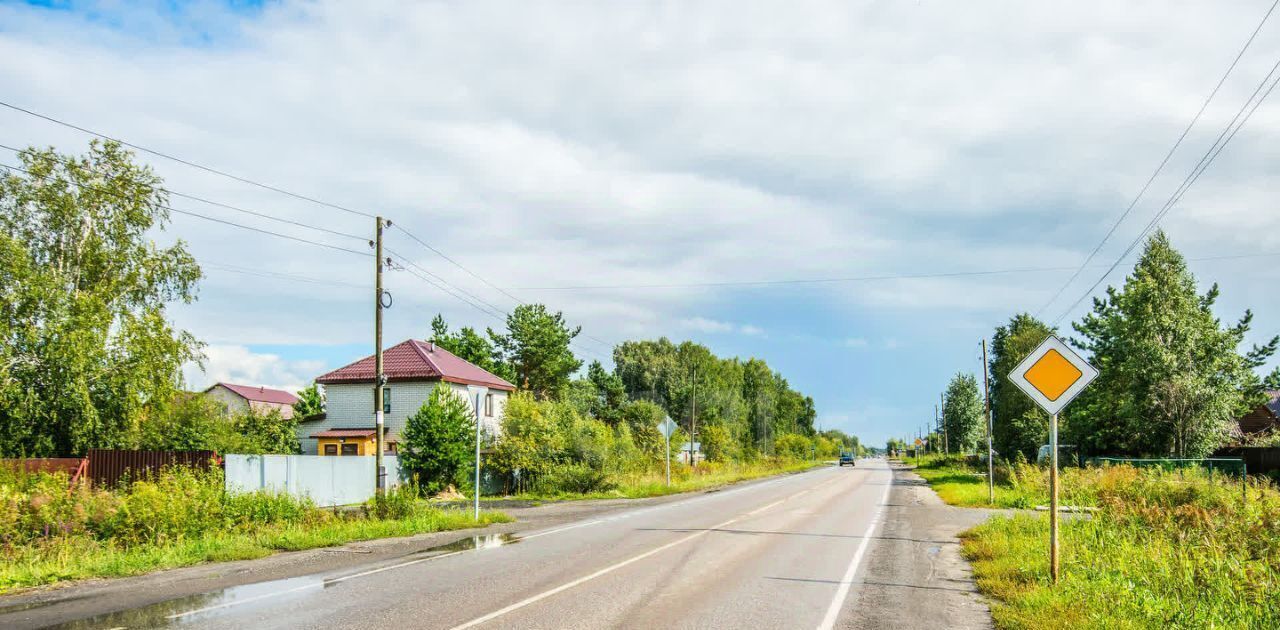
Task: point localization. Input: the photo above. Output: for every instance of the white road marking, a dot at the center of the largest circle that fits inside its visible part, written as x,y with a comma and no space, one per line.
613,567
833,611
629,514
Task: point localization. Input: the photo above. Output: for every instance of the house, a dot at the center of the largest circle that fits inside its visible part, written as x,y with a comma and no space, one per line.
413,369
1264,419
244,398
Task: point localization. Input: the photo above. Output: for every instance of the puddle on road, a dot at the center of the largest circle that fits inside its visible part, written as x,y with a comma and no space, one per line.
195,610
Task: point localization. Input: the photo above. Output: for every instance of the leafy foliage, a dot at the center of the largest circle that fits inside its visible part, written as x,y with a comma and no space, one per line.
85,346
1018,425
536,346
469,345
310,403
1172,378
437,442
962,415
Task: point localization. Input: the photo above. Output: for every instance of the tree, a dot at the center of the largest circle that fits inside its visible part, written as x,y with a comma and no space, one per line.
962,413
189,423
85,347
266,432
437,441
1018,425
536,347
610,395
1171,376
310,403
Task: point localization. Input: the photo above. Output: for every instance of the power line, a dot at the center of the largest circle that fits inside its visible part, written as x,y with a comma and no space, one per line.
209,218
186,162
1163,162
485,281
223,205
1205,161
262,273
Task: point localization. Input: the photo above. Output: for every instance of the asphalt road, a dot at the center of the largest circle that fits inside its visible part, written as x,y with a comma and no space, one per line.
799,551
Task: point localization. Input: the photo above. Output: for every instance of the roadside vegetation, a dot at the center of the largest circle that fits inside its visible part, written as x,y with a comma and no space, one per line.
52,532
1162,548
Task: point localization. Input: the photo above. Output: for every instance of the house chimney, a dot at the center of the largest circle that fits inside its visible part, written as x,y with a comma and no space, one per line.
431,346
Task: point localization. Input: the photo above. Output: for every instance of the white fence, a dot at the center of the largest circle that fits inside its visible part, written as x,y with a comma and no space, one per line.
326,480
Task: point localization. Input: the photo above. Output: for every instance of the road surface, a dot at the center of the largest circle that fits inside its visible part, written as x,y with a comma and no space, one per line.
835,547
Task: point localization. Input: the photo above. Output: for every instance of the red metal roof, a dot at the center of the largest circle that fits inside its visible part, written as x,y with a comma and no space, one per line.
414,360
345,433
260,394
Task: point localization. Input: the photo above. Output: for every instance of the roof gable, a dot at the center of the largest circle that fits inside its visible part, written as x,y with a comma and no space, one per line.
413,360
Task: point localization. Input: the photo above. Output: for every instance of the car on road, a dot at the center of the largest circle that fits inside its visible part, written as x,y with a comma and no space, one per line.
847,458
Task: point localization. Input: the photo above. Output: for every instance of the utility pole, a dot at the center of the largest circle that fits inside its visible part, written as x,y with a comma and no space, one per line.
991,467
379,379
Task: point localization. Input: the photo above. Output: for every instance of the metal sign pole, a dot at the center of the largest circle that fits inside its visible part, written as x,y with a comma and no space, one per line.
1053,497
477,488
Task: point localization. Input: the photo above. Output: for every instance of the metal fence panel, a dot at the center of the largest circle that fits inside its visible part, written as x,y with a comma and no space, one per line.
325,480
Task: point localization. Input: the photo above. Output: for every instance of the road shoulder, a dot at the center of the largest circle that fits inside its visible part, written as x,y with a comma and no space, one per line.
914,575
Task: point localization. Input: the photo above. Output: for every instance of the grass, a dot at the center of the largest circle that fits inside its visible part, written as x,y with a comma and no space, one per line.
1166,549
49,534
683,479
59,560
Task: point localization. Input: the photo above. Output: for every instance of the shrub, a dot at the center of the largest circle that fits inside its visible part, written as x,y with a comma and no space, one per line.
793,446
576,478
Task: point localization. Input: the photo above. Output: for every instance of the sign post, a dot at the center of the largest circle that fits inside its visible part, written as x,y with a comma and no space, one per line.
666,428
480,395
1052,375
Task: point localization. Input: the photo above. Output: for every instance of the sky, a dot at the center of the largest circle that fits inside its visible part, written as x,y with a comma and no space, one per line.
622,162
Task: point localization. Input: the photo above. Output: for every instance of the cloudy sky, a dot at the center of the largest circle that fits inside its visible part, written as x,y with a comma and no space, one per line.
636,165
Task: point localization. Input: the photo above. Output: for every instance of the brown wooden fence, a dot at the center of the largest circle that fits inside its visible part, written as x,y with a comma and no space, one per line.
109,466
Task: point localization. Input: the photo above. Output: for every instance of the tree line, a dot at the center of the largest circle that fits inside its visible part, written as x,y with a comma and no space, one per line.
1173,378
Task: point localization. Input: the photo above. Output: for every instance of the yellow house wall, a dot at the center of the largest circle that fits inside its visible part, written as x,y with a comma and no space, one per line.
365,446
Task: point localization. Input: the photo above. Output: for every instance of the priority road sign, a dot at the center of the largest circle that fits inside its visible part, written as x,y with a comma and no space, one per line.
1053,374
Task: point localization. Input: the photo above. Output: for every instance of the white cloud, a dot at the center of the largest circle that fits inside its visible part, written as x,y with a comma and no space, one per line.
855,342
240,365
705,325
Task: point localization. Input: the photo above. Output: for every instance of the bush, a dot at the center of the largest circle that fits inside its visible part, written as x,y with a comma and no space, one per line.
793,446
436,445
575,479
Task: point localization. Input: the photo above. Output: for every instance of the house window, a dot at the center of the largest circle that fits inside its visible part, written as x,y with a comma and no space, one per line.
350,449
386,401
488,405
330,449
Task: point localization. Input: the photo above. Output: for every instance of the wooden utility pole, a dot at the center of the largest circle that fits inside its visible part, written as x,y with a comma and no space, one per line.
379,379
991,467
942,422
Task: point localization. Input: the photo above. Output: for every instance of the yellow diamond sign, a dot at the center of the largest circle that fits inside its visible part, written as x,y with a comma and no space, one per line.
1053,374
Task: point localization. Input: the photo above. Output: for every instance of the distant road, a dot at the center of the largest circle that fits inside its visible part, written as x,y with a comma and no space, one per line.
791,552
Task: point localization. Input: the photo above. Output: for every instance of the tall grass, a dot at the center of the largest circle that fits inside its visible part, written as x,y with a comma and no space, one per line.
49,533
1165,549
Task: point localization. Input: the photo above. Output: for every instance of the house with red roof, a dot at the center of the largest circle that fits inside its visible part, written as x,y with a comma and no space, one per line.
244,398
413,369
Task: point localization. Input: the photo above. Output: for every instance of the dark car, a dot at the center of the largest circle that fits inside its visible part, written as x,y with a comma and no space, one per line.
847,458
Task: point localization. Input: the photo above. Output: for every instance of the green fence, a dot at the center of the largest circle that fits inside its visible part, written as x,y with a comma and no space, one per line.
1227,465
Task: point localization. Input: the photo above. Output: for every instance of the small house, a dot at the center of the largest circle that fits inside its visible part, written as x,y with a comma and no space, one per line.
244,398
413,369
